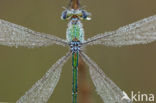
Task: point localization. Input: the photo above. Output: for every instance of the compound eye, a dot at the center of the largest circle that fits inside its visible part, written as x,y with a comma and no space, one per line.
86,15
64,15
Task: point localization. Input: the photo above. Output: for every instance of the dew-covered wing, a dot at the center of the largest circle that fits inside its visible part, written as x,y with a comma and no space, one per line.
106,88
43,88
15,35
140,32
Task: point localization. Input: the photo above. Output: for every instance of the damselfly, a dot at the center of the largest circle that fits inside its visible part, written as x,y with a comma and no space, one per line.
141,32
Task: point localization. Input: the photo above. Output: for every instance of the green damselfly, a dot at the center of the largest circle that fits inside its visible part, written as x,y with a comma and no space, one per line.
141,32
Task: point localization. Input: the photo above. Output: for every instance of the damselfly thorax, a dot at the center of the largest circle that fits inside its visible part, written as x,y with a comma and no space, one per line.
75,31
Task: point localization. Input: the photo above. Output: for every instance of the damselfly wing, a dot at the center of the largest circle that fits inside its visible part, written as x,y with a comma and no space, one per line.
43,88
140,32
15,35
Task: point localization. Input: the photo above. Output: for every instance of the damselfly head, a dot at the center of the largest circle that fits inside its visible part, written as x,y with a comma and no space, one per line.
68,14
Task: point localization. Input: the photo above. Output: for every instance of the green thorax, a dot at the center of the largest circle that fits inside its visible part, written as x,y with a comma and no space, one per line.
75,31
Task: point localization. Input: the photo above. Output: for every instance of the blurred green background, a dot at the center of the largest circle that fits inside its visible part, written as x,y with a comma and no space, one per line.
132,68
